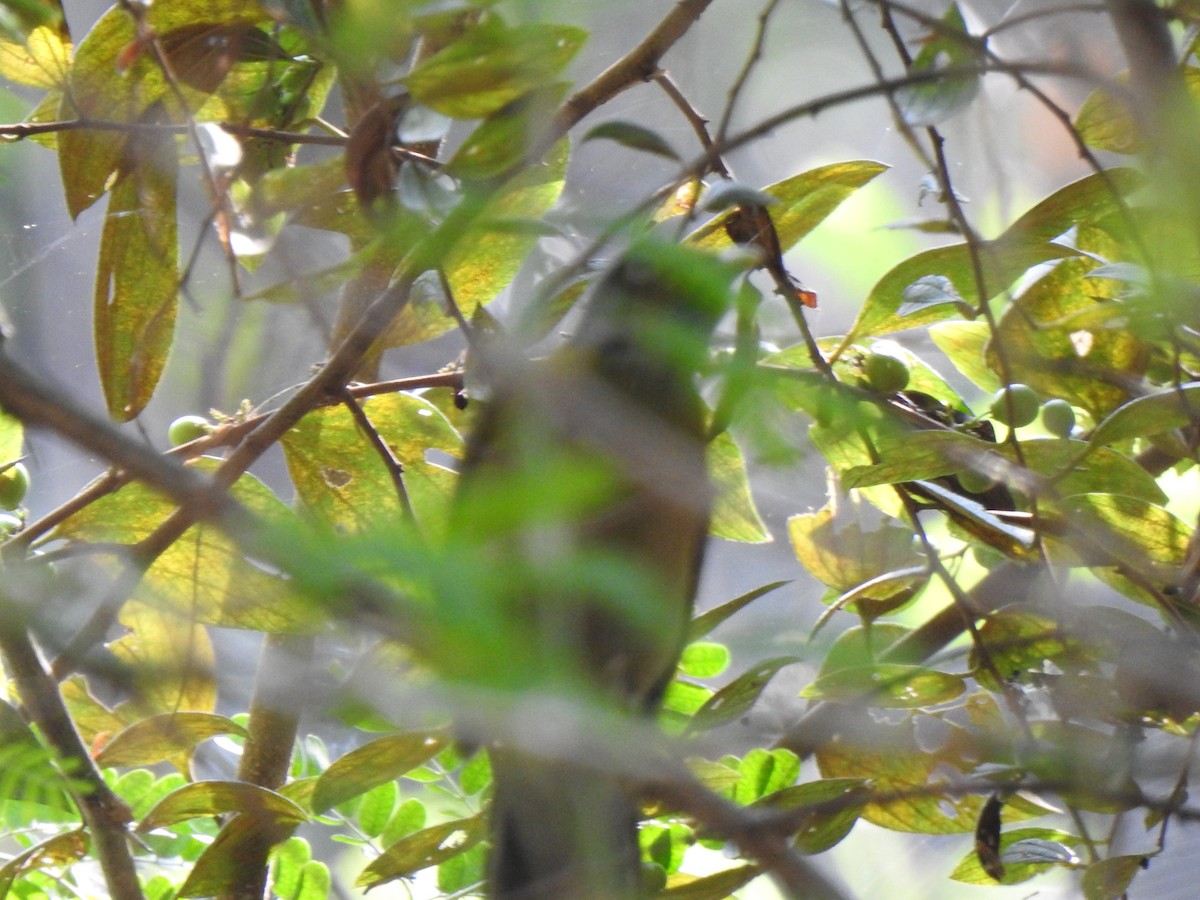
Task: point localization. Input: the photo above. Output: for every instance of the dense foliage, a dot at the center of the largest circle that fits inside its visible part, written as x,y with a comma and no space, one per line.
1010,547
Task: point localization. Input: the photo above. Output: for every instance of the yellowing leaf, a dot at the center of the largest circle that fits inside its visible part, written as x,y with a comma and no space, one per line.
137,278
42,62
422,850
163,737
373,764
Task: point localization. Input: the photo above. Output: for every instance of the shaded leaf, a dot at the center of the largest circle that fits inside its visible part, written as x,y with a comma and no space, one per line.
492,65
505,138
735,699
59,850
1173,407
704,624
382,760
633,136
222,866
1110,878
822,829
887,685
948,47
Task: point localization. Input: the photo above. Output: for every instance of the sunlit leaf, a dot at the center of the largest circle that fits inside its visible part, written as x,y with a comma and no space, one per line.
490,253
1048,356
704,659
203,576
211,798
1149,415
717,886
735,516
42,61
163,737
137,277
803,202
964,343
970,871
763,773
341,477
59,850
505,137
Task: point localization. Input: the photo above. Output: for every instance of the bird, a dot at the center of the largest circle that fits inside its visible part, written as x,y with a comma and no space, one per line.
593,461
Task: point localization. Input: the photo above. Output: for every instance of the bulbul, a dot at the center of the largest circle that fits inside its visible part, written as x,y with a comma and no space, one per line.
585,484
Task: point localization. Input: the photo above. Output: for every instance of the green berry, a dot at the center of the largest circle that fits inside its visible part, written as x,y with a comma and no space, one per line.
14,482
187,428
975,482
1059,417
885,374
1019,409
654,878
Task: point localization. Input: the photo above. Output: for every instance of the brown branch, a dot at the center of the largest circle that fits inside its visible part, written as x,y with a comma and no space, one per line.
104,813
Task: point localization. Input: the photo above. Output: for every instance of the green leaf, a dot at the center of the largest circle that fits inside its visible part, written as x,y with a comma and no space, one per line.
685,698
717,886
222,866
287,867
887,685
704,659
897,763
489,253
382,760
376,808
964,343
1164,410
340,477
735,516
163,737
1076,469
137,277
59,850
42,61
970,870
476,774
821,830
804,201
735,699
1043,348
633,136
1003,263
213,798
703,624
505,138
492,65
1088,201
765,772
203,576
316,882
423,849
409,818
947,47
836,549
1110,878
1129,531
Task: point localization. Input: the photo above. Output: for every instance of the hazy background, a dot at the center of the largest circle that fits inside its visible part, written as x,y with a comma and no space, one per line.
1005,152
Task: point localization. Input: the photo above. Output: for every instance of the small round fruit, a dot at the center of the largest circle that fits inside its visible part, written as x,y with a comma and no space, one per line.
654,878
1059,417
187,428
14,482
1022,409
975,482
885,374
